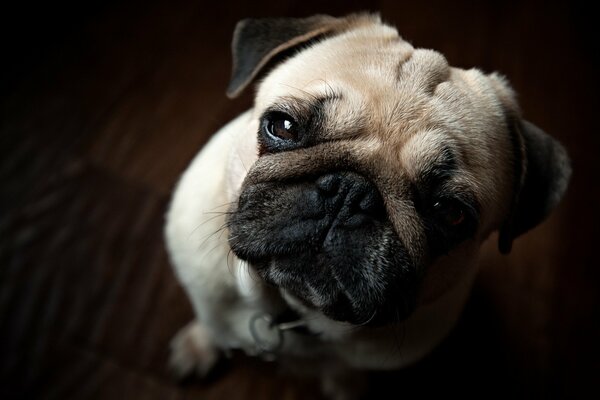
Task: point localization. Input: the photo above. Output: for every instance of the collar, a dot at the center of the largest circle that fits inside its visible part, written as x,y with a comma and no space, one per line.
269,331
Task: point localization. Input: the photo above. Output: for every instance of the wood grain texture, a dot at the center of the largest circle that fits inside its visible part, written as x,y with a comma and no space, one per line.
104,104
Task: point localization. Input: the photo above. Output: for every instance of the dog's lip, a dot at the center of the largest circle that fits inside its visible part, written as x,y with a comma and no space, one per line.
305,292
332,302
303,301
309,305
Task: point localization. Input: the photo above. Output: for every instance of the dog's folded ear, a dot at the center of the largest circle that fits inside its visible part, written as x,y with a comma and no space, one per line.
261,42
543,172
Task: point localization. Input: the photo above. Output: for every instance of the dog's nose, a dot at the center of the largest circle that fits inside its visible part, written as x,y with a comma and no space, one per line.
347,194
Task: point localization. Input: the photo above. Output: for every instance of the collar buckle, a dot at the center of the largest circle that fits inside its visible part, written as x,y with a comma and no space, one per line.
268,333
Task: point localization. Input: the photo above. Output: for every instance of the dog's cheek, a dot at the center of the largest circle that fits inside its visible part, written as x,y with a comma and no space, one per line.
448,271
272,221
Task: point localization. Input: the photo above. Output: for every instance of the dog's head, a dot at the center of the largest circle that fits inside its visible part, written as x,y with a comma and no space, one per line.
381,169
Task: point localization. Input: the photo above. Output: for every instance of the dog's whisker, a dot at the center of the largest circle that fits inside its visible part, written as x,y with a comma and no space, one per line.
207,220
222,229
219,213
230,259
206,239
216,246
215,214
371,318
239,156
211,235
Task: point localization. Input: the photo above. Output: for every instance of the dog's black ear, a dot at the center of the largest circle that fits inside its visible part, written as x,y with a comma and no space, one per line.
543,172
257,42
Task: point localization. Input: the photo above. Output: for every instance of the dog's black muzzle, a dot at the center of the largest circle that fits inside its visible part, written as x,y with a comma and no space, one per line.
328,242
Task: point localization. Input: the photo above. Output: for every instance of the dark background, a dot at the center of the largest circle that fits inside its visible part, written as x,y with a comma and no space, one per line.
104,103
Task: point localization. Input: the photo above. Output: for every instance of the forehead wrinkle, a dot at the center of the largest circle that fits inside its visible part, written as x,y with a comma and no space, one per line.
403,215
303,105
396,190
345,118
425,149
423,72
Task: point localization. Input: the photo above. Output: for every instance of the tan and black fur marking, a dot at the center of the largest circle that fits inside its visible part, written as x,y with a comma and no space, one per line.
368,215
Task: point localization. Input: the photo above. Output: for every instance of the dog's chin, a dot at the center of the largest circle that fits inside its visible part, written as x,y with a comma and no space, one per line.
356,299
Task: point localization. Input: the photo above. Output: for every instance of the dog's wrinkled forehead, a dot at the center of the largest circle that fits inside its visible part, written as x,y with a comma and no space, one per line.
407,106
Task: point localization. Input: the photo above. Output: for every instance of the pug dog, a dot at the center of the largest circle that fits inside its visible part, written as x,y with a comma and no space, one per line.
337,223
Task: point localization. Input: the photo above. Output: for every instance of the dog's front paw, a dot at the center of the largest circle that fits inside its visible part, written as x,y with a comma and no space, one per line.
192,352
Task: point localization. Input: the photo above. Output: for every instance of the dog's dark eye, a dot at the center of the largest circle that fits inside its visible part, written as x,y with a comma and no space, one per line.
450,212
450,220
281,126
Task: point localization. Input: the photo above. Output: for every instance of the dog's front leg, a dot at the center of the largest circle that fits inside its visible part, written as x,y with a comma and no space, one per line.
193,352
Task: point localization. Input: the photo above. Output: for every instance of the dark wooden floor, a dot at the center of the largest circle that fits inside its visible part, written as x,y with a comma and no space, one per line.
104,104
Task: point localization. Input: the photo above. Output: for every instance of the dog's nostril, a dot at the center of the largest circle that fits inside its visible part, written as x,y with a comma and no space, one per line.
371,203
328,184
352,194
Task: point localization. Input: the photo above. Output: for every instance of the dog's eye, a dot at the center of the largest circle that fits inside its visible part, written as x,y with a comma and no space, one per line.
449,221
450,212
281,126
